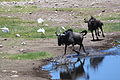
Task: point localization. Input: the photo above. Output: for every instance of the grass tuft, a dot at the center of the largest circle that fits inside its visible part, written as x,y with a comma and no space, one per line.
111,27
30,56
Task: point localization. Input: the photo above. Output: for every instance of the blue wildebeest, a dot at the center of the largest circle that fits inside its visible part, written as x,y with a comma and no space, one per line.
69,37
94,25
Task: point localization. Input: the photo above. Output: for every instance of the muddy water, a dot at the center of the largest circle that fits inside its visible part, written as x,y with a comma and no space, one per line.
89,68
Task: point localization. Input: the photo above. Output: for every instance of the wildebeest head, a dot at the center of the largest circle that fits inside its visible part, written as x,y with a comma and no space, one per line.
60,38
91,23
64,38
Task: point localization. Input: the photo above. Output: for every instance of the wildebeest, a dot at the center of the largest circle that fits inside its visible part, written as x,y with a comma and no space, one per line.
94,25
69,37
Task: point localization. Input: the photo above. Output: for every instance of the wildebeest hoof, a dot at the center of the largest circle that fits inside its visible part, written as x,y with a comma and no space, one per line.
87,54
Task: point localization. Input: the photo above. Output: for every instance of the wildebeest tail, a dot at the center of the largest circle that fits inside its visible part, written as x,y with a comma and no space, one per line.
84,31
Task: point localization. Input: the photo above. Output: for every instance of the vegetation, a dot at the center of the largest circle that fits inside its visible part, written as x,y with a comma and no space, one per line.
18,9
28,28
110,16
24,28
14,0
111,27
29,56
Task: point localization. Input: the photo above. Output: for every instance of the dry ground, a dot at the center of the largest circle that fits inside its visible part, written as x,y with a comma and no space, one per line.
28,69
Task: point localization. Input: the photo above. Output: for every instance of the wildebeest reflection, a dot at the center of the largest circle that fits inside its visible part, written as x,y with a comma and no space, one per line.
94,62
75,73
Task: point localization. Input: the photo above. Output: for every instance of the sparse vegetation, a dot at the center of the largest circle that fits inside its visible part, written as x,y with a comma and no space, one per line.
110,16
30,56
111,27
13,0
18,9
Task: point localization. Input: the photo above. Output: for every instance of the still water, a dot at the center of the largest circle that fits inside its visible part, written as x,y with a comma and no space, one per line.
90,68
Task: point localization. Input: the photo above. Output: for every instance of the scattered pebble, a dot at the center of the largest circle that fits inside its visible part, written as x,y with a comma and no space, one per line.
1,45
15,76
15,72
4,70
103,10
5,39
42,30
40,20
21,50
18,35
23,43
46,25
6,30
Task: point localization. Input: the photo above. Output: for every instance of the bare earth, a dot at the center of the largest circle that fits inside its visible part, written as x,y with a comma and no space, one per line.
29,69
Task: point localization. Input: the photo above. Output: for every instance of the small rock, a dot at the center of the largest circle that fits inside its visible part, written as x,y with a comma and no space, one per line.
56,11
21,50
23,43
103,10
33,63
15,76
4,70
4,29
76,5
4,57
1,45
46,25
41,30
5,39
17,35
40,20
30,12
56,4
15,72
99,14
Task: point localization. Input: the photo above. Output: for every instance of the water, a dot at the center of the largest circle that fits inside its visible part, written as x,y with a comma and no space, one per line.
90,68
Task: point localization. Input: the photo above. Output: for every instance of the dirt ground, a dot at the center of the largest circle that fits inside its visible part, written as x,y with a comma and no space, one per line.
29,69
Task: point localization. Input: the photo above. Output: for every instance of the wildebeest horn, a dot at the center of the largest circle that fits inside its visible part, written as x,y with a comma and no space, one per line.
85,20
60,30
63,28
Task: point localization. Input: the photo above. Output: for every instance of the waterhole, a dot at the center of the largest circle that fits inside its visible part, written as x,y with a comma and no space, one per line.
105,67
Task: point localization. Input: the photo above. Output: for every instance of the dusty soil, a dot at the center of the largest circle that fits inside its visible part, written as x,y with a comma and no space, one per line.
29,69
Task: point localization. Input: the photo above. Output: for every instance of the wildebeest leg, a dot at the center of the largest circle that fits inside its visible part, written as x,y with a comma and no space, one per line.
83,48
65,49
80,47
102,32
96,33
92,34
72,46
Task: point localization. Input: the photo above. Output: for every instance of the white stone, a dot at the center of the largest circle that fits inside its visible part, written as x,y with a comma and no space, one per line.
23,43
17,35
4,70
40,20
6,30
14,72
15,76
42,30
1,45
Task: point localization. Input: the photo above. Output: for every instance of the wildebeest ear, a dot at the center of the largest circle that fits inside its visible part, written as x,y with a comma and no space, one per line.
56,33
86,21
